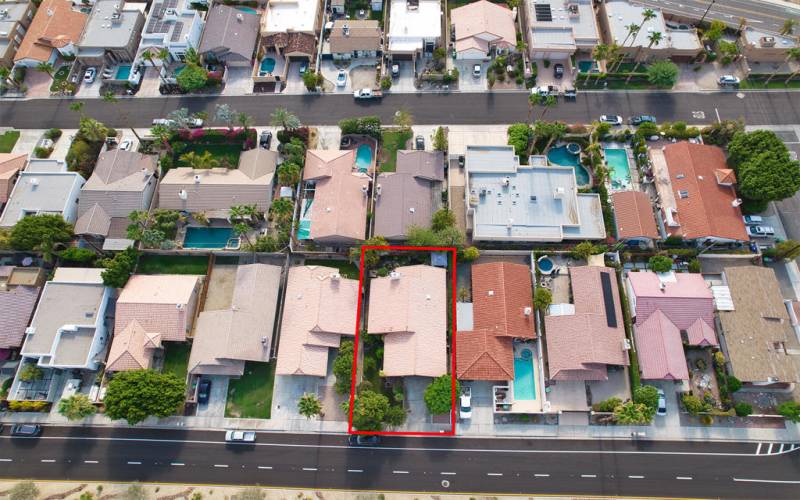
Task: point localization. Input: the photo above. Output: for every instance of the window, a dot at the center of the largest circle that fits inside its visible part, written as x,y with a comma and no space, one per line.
683,194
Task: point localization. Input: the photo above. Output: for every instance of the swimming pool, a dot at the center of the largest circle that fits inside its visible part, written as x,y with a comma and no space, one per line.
248,10
545,264
560,156
586,66
207,237
524,380
304,224
267,66
618,169
123,72
363,158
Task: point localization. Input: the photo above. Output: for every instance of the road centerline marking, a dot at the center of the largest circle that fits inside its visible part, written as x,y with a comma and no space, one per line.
494,473
355,470
541,475
177,464
310,469
134,463
47,461
589,476
221,466
6,460
635,477
91,462
265,467
447,473
400,472
772,481
684,478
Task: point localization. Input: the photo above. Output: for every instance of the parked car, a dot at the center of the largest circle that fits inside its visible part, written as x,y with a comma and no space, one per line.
240,436
465,408
341,78
753,219
476,70
363,440
164,122
126,145
662,404
728,81
760,231
612,119
639,119
395,70
195,123
90,75
303,68
26,430
203,391
367,93
558,70
570,94
265,139
419,143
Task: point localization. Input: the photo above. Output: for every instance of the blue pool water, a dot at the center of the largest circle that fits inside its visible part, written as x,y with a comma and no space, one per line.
618,169
207,237
267,65
304,225
545,265
178,70
524,386
123,72
363,158
560,156
247,10
585,66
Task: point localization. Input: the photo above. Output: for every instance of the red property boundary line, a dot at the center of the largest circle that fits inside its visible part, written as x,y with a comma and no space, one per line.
452,430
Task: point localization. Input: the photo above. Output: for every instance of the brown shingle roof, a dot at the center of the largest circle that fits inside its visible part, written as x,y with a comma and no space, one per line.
291,43
633,213
362,35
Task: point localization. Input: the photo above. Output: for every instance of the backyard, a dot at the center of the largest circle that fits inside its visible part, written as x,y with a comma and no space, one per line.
251,395
172,264
223,145
176,358
346,269
8,140
226,154
392,140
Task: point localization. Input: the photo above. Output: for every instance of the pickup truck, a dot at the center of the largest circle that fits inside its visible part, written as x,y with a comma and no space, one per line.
240,436
367,93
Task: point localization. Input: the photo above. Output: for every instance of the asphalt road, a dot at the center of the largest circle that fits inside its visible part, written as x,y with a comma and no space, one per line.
758,108
567,467
759,15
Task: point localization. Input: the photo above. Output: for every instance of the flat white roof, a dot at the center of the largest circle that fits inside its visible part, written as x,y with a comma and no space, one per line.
754,37
576,15
409,27
290,15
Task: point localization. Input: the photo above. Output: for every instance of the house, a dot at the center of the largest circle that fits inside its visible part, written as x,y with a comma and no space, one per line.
757,339
586,336
409,308
15,18
151,310
67,335
696,192
415,28
669,310
198,190
10,166
289,30
616,15
54,31
634,218
319,308
558,29
761,46
355,39
510,202
122,182
112,34
483,28
19,291
227,338
174,25
229,36
44,187
410,195
337,213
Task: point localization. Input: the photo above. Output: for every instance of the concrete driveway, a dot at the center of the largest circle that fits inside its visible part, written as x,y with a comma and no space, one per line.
467,82
238,81
38,83
405,81
217,399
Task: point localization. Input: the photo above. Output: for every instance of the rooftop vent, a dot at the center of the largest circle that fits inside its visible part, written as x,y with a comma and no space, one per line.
182,194
411,210
573,11
767,41
346,30
196,179
412,4
527,311
559,193
239,17
264,341
33,181
737,202
335,276
490,293
394,275
365,189
378,190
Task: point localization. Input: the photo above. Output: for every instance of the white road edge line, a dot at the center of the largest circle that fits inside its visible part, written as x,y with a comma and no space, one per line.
494,473
47,461
134,463
635,477
221,466
684,478
448,473
589,475
775,481
400,472
265,467
310,469
91,462
355,470
541,475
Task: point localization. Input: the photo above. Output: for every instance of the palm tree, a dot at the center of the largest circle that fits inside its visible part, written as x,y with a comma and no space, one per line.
202,161
163,134
164,55
284,118
788,26
244,120
654,38
92,130
647,14
147,55
633,29
5,73
613,54
546,102
742,25
46,67
599,53
792,53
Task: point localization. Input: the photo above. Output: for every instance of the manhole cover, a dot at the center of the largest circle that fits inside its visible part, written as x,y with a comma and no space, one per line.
445,483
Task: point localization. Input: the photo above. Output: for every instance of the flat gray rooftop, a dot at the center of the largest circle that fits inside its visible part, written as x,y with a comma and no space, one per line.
109,26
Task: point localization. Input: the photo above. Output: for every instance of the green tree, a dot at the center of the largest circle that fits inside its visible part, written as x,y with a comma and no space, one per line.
792,54
288,174
76,407
663,74
599,53
281,209
607,406
312,80
631,413
788,26
439,395
201,161
764,170
440,139
583,250
224,114
40,233
715,31
648,396
552,131
192,77
693,404
519,136
372,257
26,490
192,57
30,372
281,117
369,410
470,254
743,409
545,101
734,384
787,249
721,133
542,298
343,367
46,67
442,218
653,38
309,405
244,120
119,269
138,394
92,130
790,410
660,264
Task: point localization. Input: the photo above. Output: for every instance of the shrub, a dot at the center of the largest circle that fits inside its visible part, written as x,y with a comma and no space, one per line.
607,406
366,125
519,136
743,409
77,254
790,410
53,134
734,384
40,152
28,406
694,266
30,372
439,395
693,404
386,83
470,254
660,263
343,367
646,395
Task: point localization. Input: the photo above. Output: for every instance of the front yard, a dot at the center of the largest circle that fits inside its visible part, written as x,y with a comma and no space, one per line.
172,264
251,395
391,141
59,77
8,140
176,358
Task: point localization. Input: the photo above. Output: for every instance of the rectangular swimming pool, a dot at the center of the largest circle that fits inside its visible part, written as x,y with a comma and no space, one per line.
207,237
524,378
618,169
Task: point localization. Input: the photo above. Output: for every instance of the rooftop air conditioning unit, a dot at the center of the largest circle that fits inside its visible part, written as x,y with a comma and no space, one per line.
559,193
346,30
335,276
767,41
33,181
736,202
411,210
182,194
197,179
30,330
506,180
239,17
394,275
263,340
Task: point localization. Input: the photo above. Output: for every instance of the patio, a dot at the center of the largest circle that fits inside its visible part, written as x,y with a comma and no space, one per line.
701,372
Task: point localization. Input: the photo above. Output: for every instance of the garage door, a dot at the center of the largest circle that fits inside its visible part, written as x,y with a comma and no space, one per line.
550,55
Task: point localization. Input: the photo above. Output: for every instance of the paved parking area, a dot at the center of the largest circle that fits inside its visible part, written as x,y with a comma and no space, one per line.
217,399
28,138
38,83
61,147
482,421
150,83
405,80
294,82
461,136
238,81
89,90
467,82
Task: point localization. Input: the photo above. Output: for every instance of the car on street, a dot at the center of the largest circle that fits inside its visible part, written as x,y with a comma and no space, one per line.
558,70
26,430
126,145
419,143
476,70
760,231
203,391
753,219
164,122
363,440
728,81
465,406
90,75
661,409
240,436
341,78
265,139
611,119
367,93
639,119
195,123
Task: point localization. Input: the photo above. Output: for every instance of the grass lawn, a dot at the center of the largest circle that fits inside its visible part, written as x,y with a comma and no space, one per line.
8,140
59,76
346,269
776,83
251,395
176,358
172,264
392,140
227,154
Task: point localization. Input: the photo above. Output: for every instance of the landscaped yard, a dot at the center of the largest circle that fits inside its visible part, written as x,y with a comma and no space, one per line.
346,269
172,264
176,358
392,140
251,395
776,83
59,76
8,140
226,154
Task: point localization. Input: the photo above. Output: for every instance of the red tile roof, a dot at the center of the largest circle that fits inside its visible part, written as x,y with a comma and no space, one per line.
633,212
708,210
660,350
481,355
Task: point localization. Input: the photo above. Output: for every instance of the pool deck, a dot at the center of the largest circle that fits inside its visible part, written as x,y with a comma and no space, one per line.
528,405
358,140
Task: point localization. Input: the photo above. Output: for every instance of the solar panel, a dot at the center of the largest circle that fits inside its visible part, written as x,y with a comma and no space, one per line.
608,300
543,12
176,33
